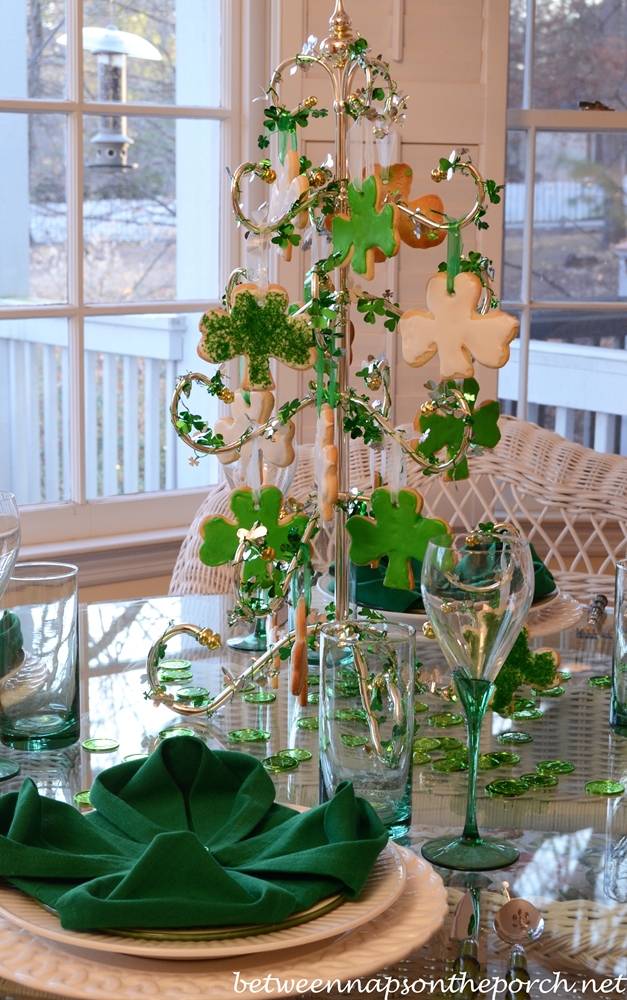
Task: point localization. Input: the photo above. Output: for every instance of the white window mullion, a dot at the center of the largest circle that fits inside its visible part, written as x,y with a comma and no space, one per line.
74,16
527,275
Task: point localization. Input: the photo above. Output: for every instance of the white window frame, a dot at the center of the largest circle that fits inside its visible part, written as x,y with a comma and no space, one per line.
86,525
531,121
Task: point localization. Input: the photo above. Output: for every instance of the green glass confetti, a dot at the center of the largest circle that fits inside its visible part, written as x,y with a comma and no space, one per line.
100,745
82,798
313,698
527,714
514,737
520,704
296,753
445,719
420,706
555,766
175,665
540,780
247,687
564,675
506,757
460,753
554,692
488,762
449,764
193,695
135,756
313,680
175,677
308,722
605,787
351,715
420,758
353,741
600,681
277,764
167,734
8,769
249,736
448,743
426,743
507,787
346,689
259,697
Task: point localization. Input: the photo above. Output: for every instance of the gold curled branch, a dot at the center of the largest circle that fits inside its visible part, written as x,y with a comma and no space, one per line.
276,602
319,178
415,456
274,423
156,690
440,175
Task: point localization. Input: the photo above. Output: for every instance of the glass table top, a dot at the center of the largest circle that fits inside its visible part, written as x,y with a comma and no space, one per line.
573,862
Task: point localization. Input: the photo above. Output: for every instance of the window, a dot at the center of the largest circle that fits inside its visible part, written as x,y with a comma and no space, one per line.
565,244
114,130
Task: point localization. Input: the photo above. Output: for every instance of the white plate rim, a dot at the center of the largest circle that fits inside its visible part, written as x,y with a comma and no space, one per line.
44,923
409,923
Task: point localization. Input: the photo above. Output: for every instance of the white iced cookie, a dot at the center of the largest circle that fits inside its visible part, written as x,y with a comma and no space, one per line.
279,451
288,187
326,462
453,328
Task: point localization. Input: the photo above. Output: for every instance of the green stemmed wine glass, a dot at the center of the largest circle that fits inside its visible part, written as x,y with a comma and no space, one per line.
477,591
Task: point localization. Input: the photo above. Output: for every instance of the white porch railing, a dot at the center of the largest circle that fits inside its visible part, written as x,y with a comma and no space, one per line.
562,375
131,364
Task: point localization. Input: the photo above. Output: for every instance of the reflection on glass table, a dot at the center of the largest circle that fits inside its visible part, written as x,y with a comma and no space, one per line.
571,843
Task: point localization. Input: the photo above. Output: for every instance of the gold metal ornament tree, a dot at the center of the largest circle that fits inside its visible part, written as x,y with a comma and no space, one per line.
342,56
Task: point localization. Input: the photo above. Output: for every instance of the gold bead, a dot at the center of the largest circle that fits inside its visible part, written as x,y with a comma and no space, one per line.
268,175
428,409
310,102
427,631
318,178
472,541
226,395
438,175
268,553
374,381
209,639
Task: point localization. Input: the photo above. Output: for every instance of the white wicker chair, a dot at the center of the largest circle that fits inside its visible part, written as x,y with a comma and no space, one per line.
570,501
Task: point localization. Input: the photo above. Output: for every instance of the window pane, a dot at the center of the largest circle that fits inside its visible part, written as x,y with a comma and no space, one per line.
152,232
33,248
514,216
34,461
131,367
32,63
580,53
577,364
173,56
579,248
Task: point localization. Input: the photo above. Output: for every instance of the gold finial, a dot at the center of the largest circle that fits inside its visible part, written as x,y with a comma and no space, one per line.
340,23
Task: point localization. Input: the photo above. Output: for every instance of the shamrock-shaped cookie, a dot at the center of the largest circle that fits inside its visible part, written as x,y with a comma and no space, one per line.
220,538
524,666
398,185
258,328
278,451
371,224
453,327
398,532
439,430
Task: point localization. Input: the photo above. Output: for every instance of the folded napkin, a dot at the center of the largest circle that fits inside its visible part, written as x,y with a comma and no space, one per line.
185,838
372,593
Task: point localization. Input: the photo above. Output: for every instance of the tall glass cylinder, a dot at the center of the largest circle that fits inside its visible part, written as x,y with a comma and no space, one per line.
367,714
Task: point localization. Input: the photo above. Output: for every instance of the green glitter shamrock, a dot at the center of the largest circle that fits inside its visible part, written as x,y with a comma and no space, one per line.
523,667
220,540
398,532
446,431
258,328
369,226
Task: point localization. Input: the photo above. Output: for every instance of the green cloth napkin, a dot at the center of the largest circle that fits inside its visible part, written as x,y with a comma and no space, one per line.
371,592
11,640
185,838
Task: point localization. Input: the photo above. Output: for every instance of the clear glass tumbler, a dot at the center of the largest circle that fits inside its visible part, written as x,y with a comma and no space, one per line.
367,714
39,689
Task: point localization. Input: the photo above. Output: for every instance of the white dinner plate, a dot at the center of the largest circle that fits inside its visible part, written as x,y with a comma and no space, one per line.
60,970
385,884
553,613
